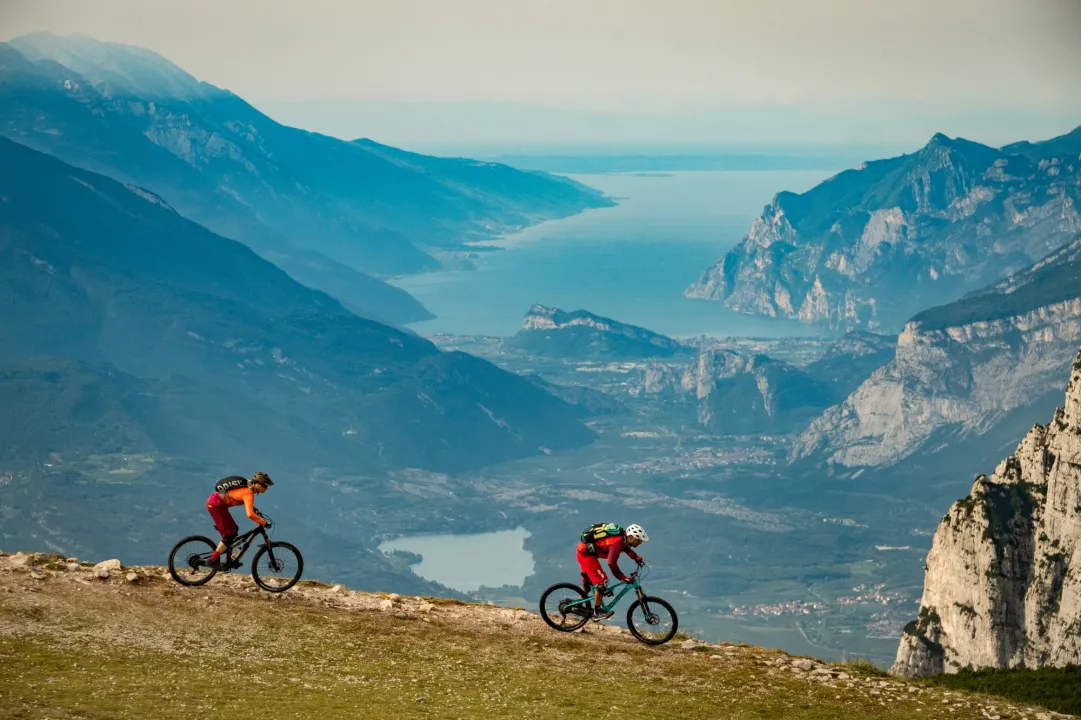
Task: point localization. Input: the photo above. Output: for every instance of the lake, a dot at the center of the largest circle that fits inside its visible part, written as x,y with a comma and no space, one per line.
469,562
631,262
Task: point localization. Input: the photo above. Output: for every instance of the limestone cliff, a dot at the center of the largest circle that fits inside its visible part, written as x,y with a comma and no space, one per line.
872,247
1003,580
961,369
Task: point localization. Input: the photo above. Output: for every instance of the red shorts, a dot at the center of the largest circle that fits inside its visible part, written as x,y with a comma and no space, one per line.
591,566
223,519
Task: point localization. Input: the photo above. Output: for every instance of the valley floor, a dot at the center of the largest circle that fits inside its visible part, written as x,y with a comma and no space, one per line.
136,645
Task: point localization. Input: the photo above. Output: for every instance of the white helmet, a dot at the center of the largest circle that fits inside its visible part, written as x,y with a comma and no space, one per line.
636,532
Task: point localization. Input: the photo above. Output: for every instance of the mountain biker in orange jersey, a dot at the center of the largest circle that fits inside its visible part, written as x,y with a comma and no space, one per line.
610,548
231,492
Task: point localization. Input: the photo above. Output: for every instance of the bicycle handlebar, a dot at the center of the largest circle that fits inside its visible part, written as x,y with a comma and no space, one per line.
265,517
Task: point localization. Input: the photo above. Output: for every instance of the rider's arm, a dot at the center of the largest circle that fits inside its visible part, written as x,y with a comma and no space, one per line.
614,551
249,508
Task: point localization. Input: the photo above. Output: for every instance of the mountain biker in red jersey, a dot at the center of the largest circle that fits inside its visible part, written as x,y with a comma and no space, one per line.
608,541
231,492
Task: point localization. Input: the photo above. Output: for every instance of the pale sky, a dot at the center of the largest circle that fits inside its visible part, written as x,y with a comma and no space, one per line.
672,62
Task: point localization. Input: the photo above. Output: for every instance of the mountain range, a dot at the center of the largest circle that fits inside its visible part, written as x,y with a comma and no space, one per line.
335,215
873,246
960,372
138,304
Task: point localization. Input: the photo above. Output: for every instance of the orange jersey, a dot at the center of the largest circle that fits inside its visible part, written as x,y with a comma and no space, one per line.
245,497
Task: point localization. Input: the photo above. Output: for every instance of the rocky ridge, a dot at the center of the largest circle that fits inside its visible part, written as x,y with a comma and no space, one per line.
738,392
1003,580
551,331
960,369
52,604
870,247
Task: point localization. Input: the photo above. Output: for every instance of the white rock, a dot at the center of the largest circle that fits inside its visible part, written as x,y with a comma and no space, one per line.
132,577
1003,580
386,605
802,664
37,576
106,565
19,559
690,645
72,567
394,597
426,607
336,589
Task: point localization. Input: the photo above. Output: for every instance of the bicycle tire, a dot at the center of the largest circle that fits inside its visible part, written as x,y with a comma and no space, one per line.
261,582
551,621
187,581
650,600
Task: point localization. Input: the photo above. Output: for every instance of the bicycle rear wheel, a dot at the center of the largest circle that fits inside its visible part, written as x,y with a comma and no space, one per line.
652,620
559,609
188,561
277,567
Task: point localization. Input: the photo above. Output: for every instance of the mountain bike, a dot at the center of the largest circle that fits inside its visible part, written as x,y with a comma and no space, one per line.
567,607
276,567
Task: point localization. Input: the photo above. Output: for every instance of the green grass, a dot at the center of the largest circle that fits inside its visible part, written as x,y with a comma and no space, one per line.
1057,689
153,650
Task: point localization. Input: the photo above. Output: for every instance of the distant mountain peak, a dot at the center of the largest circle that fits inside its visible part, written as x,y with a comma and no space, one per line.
551,331
116,68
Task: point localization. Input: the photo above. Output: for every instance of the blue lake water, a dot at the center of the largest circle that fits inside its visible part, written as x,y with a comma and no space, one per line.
631,262
469,562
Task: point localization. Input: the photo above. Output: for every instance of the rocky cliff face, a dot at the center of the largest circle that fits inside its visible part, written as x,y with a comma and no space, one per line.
738,394
961,368
1003,582
872,247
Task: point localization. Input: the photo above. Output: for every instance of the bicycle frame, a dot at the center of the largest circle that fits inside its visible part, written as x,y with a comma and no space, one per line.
247,539
625,588
244,542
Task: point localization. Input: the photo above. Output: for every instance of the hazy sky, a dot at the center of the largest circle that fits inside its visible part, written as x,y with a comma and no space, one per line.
888,69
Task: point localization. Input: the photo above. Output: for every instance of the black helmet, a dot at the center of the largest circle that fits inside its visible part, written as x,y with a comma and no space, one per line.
261,478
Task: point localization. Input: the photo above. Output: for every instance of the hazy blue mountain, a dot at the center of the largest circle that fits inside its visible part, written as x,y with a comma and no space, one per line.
322,208
580,334
872,247
1064,147
104,273
586,401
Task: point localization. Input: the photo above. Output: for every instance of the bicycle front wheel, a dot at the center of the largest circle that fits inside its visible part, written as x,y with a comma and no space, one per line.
277,567
652,620
189,559
561,609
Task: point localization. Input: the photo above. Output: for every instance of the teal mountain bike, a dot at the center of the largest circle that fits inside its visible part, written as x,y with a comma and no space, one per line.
568,607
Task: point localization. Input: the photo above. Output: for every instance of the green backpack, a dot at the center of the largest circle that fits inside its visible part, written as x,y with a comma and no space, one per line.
599,531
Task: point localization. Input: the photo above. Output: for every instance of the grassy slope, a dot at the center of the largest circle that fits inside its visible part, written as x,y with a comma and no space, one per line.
73,646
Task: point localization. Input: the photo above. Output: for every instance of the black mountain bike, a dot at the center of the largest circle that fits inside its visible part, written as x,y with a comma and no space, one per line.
276,567
567,607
